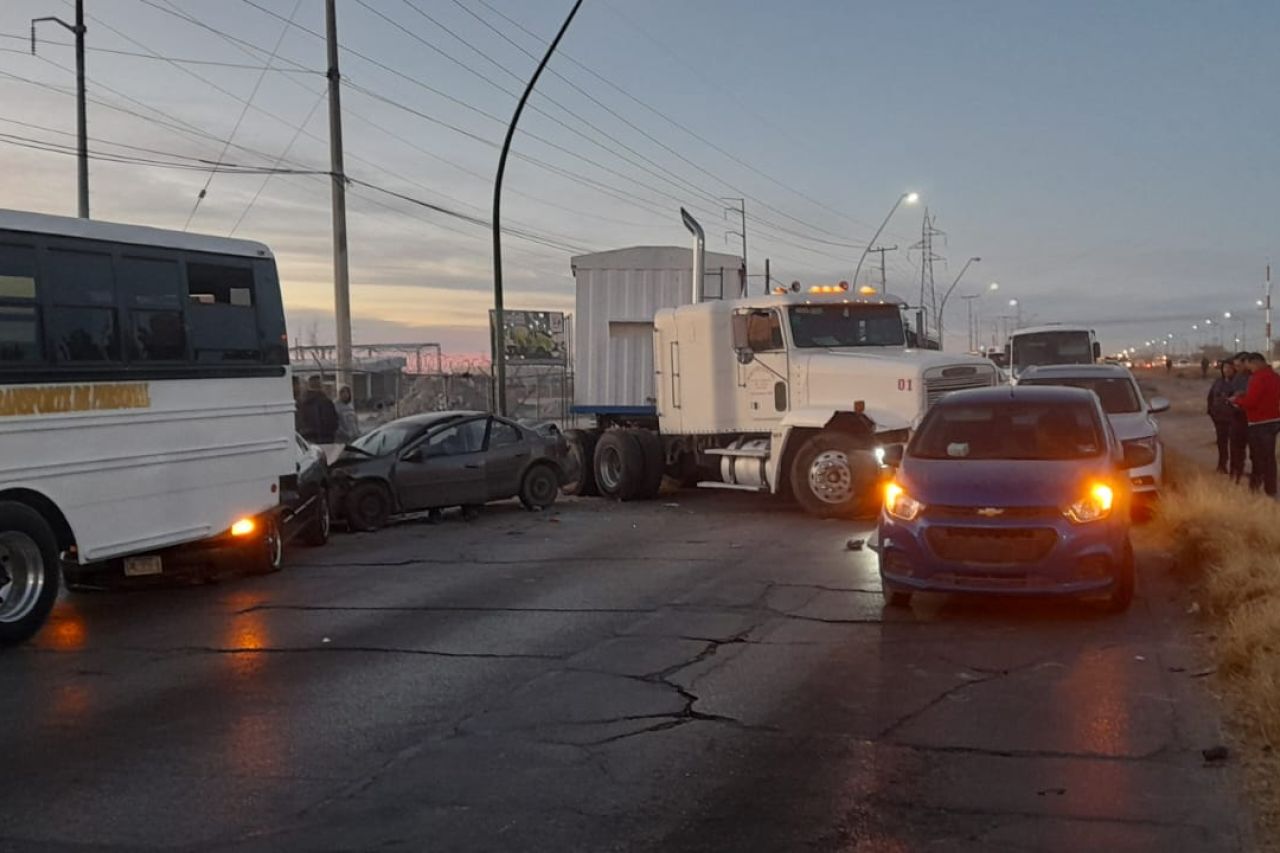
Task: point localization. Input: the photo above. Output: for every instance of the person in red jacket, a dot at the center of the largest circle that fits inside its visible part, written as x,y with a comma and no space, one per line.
1261,405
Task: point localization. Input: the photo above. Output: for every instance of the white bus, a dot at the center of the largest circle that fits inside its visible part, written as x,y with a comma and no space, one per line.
145,401
1052,344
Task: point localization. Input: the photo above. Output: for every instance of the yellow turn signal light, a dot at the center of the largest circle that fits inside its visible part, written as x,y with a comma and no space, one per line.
244,527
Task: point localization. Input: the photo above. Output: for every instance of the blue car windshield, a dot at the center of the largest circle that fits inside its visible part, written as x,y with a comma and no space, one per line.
1013,430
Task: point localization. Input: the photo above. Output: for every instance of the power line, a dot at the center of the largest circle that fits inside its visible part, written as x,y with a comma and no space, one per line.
243,112
185,60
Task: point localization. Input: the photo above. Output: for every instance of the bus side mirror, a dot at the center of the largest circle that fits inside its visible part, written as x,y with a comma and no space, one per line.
1097,350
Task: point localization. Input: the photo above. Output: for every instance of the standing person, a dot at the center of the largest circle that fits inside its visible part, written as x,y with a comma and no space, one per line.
319,417
1204,367
1222,413
1168,364
348,423
1261,405
1239,438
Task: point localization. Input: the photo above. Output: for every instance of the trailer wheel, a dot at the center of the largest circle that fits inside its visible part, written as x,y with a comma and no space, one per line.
619,465
580,475
29,572
655,463
834,474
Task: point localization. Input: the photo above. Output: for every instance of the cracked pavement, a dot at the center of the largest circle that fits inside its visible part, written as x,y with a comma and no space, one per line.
717,674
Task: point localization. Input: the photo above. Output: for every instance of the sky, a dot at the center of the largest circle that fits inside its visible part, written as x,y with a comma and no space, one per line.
1111,163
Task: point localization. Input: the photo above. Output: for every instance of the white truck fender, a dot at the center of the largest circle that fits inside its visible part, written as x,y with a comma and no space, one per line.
817,417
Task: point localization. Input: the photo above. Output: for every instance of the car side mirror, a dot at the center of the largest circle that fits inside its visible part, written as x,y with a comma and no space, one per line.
1157,405
893,454
1137,456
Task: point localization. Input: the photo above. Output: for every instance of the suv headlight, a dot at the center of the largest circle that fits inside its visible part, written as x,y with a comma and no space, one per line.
899,504
1094,506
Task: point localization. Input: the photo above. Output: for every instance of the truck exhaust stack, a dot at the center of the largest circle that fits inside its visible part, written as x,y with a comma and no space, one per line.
699,248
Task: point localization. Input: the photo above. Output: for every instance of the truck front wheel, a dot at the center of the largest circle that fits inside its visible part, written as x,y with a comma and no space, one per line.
833,474
29,572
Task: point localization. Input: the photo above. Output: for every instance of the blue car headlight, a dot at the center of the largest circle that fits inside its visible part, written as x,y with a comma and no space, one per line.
899,504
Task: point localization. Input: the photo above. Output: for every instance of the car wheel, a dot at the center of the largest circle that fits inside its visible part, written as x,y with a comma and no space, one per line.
29,572
834,475
1121,595
619,465
368,506
539,488
318,528
580,475
265,554
655,463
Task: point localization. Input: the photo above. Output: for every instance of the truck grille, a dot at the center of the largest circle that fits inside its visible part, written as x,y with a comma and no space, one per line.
937,387
992,544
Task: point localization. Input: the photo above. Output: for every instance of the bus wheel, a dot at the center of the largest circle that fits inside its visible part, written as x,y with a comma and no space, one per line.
832,475
266,553
579,470
318,528
619,465
29,572
368,506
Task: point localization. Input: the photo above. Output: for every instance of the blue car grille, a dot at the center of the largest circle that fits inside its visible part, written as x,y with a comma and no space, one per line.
991,512
992,545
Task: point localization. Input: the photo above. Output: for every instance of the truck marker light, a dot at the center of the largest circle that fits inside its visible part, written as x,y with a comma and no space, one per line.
243,527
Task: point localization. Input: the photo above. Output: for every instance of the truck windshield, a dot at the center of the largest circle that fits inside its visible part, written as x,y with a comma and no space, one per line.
846,325
1012,429
1051,348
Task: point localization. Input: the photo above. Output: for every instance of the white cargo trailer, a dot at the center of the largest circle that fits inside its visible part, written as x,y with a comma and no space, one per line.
792,392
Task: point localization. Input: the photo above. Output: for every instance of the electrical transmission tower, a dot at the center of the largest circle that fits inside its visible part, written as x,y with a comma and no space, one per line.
928,292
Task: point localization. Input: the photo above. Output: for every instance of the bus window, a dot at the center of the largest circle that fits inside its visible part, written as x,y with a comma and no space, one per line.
82,324
152,295
19,315
224,324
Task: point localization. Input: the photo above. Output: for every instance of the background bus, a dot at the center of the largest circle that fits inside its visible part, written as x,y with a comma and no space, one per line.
145,399
1052,344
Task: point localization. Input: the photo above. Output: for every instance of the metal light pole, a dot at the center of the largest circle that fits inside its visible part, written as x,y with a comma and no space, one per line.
1267,307
499,321
909,198
82,129
942,308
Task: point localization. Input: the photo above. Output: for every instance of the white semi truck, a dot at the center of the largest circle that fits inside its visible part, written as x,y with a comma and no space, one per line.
790,392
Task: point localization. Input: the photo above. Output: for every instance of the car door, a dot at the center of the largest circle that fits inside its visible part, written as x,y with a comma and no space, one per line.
506,456
444,468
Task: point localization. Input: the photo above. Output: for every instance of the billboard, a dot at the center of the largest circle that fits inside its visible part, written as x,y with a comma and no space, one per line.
534,337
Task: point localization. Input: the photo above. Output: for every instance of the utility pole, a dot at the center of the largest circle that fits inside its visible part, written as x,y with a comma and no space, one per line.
741,210
338,180
968,301
928,291
883,275
1268,315
768,278
82,128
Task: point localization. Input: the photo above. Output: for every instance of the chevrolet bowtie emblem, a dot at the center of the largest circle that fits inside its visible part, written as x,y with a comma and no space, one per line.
990,511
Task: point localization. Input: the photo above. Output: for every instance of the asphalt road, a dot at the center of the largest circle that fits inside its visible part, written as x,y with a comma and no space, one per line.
713,675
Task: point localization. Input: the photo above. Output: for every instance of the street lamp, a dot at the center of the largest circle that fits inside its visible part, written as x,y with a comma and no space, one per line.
1017,306
975,322
942,309
909,198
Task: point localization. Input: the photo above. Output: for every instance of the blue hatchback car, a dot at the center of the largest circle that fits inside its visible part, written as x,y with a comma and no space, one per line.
1013,490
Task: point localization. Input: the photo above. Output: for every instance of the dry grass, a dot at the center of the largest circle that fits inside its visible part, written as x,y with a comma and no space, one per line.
1229,539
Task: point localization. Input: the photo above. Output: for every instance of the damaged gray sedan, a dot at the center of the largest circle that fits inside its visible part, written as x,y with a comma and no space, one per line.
445,459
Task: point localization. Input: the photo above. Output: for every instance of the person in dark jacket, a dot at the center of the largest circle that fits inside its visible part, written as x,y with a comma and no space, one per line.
1239,438
1222,413
317,416
1261,405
